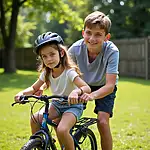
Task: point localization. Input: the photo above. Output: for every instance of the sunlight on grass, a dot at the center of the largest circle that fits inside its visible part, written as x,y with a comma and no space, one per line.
130,125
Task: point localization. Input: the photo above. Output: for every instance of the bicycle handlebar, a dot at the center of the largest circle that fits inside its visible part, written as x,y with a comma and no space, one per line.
45,98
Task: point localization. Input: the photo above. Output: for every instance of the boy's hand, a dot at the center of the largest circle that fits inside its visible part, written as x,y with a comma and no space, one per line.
84,98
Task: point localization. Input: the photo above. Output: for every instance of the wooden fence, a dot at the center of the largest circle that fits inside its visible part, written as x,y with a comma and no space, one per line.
25,58
134,57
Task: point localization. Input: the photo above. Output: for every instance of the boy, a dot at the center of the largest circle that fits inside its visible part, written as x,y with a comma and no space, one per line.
98,60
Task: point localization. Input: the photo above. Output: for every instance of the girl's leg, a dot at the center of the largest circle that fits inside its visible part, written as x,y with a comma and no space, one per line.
63,130
35,122
36,119
57,120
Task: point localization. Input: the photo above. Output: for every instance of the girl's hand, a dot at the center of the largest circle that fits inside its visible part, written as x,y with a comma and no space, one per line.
39,92
73,97
17,97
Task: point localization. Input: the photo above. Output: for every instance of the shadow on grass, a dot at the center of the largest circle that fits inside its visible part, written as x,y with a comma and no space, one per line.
17,80
135,80
24,79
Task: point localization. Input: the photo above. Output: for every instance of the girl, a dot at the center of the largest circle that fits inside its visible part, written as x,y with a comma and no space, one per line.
60,74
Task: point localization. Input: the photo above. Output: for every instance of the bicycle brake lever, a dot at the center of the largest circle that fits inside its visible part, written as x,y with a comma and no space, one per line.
14,103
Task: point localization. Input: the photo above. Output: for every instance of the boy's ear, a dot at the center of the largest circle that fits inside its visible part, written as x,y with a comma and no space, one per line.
108,36
82,33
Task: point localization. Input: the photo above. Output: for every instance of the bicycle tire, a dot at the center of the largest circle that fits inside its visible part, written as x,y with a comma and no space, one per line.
33,144
87,140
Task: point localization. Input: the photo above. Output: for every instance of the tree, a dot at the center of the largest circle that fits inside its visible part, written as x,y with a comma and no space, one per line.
9,37
58,9
129,17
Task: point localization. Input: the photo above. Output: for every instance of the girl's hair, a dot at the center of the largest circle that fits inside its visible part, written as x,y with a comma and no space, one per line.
65,61
98,19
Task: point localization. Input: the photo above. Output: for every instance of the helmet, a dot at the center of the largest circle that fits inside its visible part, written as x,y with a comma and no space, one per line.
46,38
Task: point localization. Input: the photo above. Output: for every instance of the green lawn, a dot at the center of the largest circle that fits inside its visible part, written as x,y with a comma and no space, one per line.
130,125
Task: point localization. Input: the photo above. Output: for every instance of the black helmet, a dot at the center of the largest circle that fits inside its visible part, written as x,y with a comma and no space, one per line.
45,38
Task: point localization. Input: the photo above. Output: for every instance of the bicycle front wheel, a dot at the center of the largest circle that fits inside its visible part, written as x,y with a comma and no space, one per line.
33,144
87,141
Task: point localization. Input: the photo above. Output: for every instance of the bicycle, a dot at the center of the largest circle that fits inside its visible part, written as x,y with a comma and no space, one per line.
43,139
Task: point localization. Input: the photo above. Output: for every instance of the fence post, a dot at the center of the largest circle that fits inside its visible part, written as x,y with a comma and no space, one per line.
146,58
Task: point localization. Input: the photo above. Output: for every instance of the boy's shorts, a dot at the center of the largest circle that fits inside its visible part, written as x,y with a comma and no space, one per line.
106,103
75,109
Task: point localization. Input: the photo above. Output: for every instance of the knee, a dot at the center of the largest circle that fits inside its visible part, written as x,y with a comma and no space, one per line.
32,120
102,123
35,119
62,131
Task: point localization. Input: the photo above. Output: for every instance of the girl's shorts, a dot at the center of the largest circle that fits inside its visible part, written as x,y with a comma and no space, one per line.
75,109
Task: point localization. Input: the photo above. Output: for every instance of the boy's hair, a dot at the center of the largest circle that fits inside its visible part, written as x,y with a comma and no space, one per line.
98,19
65,61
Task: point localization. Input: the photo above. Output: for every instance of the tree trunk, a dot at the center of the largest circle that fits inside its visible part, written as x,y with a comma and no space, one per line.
9,60
9,55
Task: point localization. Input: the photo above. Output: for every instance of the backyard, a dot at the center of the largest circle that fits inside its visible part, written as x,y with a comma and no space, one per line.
130,125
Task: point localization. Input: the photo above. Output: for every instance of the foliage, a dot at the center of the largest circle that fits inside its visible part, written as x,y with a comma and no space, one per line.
130,124
24,30
58,9
129,17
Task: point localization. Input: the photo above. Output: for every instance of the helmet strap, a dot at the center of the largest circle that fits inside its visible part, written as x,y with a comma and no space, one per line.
60,58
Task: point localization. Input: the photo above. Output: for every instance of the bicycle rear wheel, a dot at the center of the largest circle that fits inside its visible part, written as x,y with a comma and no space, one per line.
87,140
33,144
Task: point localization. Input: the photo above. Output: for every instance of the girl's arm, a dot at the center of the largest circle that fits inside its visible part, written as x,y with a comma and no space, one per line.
40,91
82,88
30,90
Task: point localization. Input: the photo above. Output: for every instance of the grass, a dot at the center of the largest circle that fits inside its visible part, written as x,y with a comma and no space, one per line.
130,125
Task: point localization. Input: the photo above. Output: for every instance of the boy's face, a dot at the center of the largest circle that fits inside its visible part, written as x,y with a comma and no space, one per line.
94,38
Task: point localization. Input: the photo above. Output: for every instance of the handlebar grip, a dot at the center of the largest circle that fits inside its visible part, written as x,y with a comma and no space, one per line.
23,97
65,97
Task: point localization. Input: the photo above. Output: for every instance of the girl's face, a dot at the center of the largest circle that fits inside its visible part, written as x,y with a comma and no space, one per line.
94,38
50,56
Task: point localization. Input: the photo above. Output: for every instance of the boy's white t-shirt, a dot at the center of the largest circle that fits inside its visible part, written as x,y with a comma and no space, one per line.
63,84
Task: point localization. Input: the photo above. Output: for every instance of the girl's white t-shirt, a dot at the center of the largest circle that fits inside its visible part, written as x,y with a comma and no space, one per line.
63,84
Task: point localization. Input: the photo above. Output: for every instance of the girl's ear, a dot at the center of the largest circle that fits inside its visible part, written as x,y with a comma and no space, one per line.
62,52
107,37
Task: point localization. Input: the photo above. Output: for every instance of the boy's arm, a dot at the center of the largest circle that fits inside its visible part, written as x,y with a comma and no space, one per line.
106,89
103,91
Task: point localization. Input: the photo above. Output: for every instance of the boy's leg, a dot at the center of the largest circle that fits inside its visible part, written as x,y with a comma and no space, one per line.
104,130
104,110
63,130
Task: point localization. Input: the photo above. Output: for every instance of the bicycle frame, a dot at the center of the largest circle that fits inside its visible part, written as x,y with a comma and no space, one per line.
44,130
78,130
